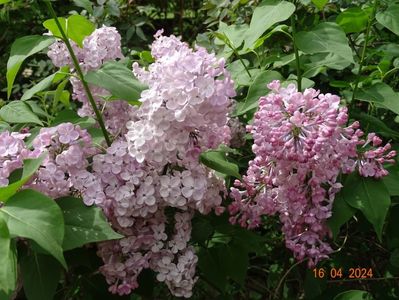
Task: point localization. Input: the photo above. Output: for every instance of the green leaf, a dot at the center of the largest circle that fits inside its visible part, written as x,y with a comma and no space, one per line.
21,49
119,80
257,89
234,259
327,38
4,1
29,168
392,234
382,95
375,125
217,161
392,180
353,19
341,213
211,268
234,33
51,25
313,287
265,15
71,116
8,261
76,28
86,4
394,259
32,215
18,112
42,85
353,295
37,110
371,197
390,18
40,276
320,3
84,224
202,230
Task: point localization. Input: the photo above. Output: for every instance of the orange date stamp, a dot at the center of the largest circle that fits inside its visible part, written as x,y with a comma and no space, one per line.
338,273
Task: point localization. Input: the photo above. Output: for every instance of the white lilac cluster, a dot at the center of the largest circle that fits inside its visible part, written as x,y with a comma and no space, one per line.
154,180
185,109
301,145
103,45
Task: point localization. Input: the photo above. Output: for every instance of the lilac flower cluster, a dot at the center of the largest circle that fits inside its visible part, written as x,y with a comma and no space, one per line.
68,147
13,151
150,178
103,45
185,109
301,145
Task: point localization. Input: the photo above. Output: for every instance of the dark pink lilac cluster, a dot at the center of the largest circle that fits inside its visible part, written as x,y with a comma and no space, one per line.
301,145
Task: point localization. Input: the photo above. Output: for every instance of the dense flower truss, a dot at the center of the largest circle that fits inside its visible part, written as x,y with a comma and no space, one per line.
301,145
185,109
149,182
103,45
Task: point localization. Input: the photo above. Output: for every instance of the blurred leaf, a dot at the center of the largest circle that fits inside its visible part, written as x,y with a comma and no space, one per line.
392,180
371,197
353,295
84,224
394,259
320,3
32,215
86,4
353,19
217,161
382,95
390,18
8,261
40,276
119,80
21,49
265,15
18,112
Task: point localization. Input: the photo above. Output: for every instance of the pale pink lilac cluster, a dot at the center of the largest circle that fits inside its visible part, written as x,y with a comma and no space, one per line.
301,145
150,179
103,45
68,147
185,109
13,152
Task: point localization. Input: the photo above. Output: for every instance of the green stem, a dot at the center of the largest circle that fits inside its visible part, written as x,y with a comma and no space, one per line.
238,55
298,63
363,55
80,74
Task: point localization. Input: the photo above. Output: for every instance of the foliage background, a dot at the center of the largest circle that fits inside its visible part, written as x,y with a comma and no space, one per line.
235,263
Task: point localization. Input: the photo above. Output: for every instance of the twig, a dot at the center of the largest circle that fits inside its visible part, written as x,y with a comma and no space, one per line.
80,73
